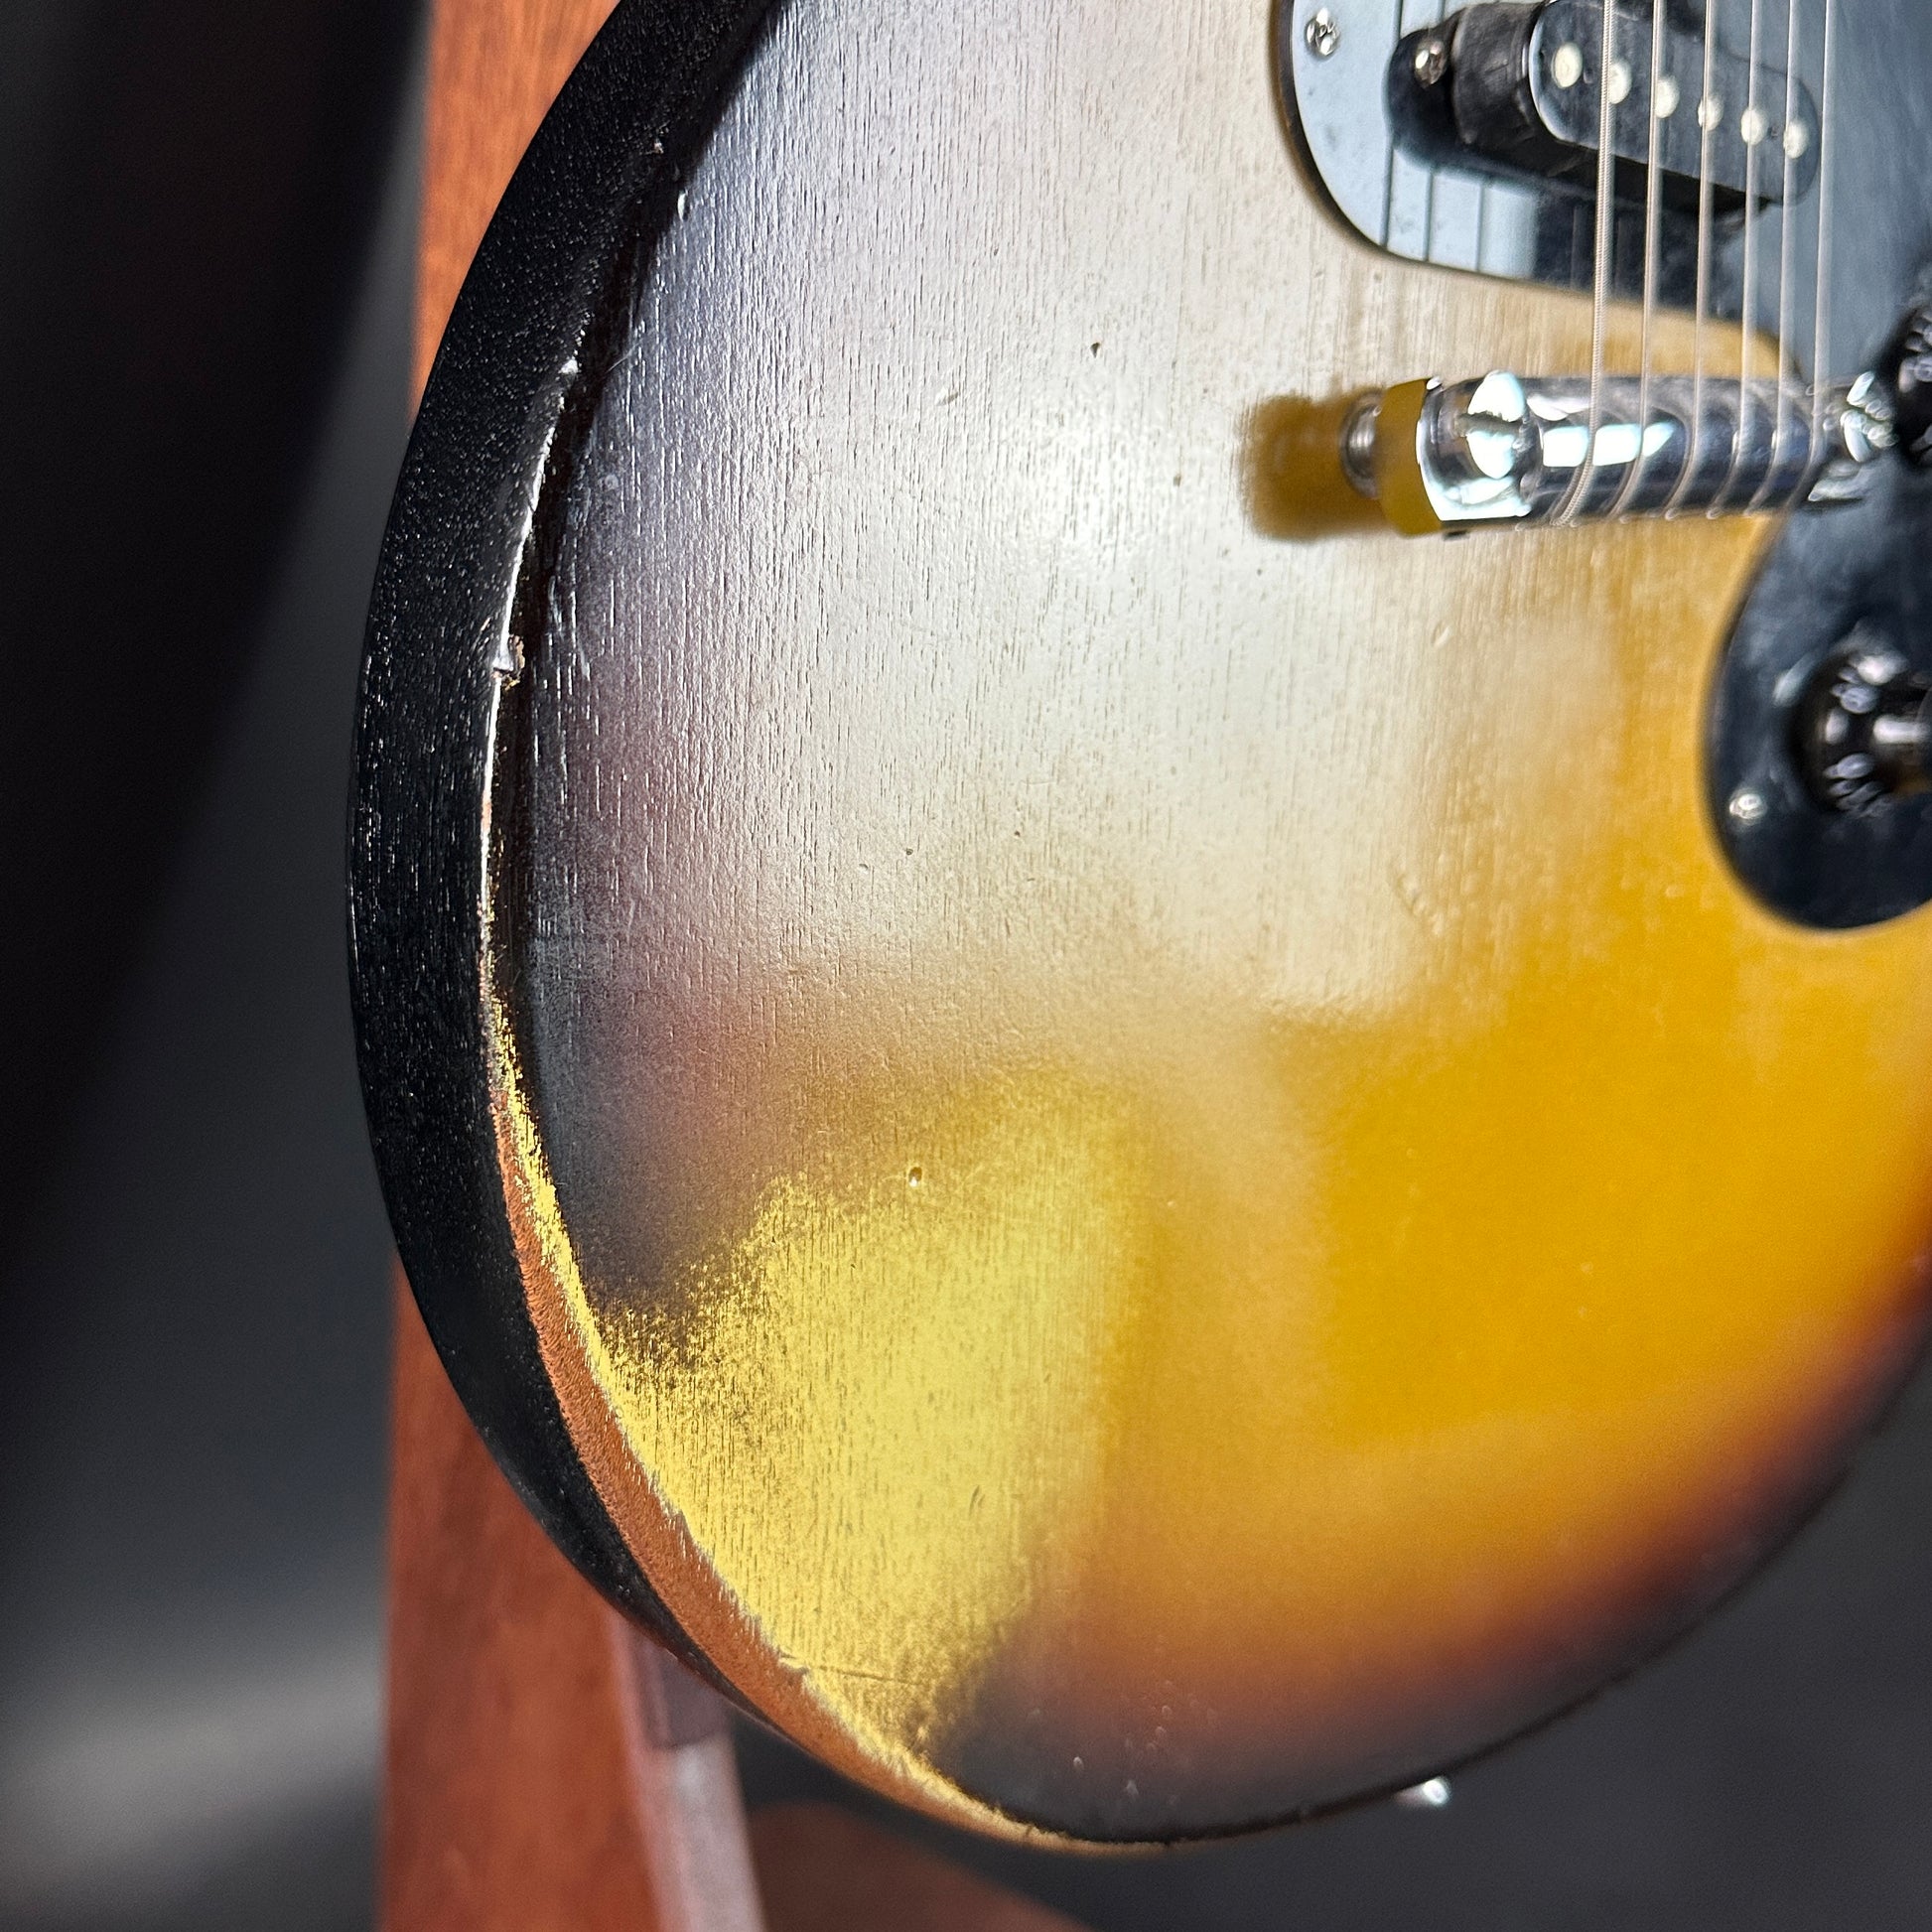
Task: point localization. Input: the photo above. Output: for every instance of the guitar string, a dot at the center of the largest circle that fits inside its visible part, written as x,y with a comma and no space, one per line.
1639,469
1429,192
1388,170
1821,326
1787,140
1605,238
1750,126
1754,128
1580,484
1709,113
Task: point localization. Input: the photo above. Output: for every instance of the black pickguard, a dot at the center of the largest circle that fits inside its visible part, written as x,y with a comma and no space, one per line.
1834,570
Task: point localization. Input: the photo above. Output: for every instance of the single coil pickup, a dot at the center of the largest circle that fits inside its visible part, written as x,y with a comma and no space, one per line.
1517,89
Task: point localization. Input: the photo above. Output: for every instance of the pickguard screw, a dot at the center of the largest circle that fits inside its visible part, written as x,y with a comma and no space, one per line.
1323,34
1747,807
1432,61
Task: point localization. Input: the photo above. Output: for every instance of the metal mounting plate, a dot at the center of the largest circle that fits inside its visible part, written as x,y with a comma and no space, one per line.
1338,105
1333,58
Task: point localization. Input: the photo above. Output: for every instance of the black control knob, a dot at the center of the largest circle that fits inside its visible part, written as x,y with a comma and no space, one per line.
1864,726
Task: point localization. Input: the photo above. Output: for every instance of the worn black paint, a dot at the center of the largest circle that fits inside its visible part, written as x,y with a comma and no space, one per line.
466,548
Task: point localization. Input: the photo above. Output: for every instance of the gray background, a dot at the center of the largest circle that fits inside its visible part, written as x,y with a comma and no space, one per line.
205,223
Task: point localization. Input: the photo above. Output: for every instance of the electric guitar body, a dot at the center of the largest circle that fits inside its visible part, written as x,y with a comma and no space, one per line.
1140,1156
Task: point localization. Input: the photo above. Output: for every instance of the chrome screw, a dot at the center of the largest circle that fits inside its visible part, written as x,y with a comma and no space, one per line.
1432,61
1322,33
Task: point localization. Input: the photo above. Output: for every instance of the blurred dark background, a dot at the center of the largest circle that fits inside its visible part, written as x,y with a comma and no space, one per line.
206,228
205,223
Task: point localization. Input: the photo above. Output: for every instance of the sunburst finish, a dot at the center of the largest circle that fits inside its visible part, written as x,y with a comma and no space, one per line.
1157,1169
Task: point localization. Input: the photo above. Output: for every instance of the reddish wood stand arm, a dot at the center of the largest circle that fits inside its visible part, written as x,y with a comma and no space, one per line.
549,1769
515,1797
